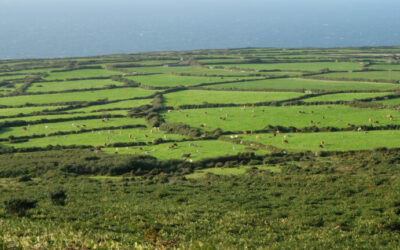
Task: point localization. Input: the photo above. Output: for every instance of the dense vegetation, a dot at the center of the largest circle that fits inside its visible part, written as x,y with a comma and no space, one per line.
240,148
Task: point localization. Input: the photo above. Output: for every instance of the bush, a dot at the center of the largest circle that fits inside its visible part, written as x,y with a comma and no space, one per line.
19,206
58,197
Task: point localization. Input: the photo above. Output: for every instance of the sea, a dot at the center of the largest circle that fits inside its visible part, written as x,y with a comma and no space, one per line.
75,28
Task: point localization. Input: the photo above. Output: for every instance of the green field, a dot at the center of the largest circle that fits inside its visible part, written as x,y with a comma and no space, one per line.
69,85
97,138
164,80
48,128
370,75
187,97
83,96
333,66
386,66
345,97
114,105
199,150
390,102
306,84
187,70
238,119
333,141
83,73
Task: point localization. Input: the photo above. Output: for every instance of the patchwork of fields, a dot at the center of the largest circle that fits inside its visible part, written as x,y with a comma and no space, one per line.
183,99
215,149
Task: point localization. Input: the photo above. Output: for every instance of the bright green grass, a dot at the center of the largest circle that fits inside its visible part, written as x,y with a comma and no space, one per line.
201,150
386,66
97,138
239,119
51,117
25,110
368,75
121,104
11,77
345,97
48,128
68,85
308,66
188,70
165,80
111,94
334,141
229,171
82,73
308,84
390,102
200,96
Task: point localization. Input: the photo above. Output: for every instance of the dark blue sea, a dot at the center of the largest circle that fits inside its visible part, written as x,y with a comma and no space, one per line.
70,28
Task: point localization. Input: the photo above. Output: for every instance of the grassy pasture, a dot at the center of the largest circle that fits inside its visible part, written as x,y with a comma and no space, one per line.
308,84
239,119
11,77
114,105
385,66
111,94
165,80
24,110
200,150
201,96
368,75
304,66
230,171
187,70
57,116
345,97
69,85
81,73
334,141
390,102
97,138
48,128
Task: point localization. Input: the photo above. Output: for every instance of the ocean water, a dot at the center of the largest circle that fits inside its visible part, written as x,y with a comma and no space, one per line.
69,28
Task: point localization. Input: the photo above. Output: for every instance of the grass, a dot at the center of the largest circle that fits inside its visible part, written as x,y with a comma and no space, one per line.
82,96
48,128
61,116
239,119
230,171
199,150
70,85
207,96
304,66
345,97
368,75
306,84
97,138
334,141
187,70
164,80
114,105
390,102
385,66
82,73
24,110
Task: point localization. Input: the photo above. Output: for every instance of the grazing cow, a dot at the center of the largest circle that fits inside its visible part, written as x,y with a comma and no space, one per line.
322,143
130,136
222,118
205,113
203,125
24,128
285,141
376,122
277,132
323,117
146,136
258,137
186,155
252,105
390,117
141,148
245,132
311,122
169,110
46,127
191,144
117,149
369,119
359,129
187,116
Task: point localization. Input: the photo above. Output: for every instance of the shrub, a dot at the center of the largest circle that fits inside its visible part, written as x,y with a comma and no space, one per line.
58,197
19,206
